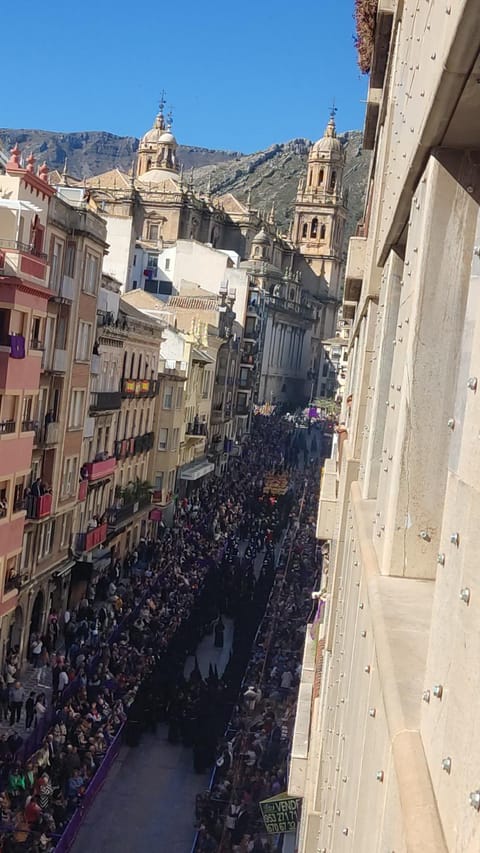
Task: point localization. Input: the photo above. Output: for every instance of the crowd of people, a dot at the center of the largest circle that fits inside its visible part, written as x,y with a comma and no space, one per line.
123,656
252,757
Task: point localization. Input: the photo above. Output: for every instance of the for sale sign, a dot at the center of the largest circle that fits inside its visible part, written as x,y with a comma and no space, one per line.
281,813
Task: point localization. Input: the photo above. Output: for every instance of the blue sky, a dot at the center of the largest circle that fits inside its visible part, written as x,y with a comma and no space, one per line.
240,75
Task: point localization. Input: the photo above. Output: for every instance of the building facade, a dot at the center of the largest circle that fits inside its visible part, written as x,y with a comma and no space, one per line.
385,754
24,203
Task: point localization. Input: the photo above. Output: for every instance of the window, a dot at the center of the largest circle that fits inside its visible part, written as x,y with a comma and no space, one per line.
66,529
3,499
176,434
26,550
305,230
310,177
167,263
333,180
56,264
153,231
179,400
83,341
162,439
320,177
152,262
69,477
314,227
77,406
323,231
70,255
168,397
158,485
47,533
11,573
171,480
134,260
325,369
90,280
135,285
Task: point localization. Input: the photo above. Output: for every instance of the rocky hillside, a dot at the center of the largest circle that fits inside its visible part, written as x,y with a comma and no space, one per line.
271,176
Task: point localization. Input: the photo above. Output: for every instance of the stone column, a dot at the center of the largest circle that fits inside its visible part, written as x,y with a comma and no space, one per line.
430,322
381,372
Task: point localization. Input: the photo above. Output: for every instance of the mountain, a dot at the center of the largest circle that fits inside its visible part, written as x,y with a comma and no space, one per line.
271,176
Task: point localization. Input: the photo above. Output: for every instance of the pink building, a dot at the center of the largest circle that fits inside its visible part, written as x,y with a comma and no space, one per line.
24,201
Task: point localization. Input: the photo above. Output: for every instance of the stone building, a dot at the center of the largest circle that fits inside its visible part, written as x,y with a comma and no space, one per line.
156,220
385,754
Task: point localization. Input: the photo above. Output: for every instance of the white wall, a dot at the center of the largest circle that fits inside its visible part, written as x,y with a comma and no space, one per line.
120,240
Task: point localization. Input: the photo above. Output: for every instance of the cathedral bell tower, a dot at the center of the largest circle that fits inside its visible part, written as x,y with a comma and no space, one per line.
320,210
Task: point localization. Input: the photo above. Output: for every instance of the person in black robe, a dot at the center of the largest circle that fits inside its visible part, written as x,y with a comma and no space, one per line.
218,633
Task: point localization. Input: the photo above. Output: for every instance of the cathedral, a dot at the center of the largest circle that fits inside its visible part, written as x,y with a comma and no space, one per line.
155,217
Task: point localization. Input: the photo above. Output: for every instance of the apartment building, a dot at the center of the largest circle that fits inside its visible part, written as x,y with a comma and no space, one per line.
76,244
385,754
24,202
118,436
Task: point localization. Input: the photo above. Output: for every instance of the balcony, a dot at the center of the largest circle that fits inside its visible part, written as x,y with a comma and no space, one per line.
196,430
37,345
29,426
39,506
100,470
172,368
138,388
17,259
12,581
118,515
95,365
245,383
91,538
65,290
52,433
251,332
7,427
105,401
247,360
59,362
131,446
82,490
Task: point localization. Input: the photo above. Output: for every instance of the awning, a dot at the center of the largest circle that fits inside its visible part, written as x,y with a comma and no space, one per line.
196,470
13,204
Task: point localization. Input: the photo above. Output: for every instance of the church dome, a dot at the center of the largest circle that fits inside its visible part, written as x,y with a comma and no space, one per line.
167,138
159,176
154,135
329,143
262,238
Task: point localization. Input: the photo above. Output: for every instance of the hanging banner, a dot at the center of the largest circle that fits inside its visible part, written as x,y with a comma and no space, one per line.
281,813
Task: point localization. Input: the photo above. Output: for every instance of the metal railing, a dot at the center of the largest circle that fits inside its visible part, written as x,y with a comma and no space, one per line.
7,427
104,401
25,248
